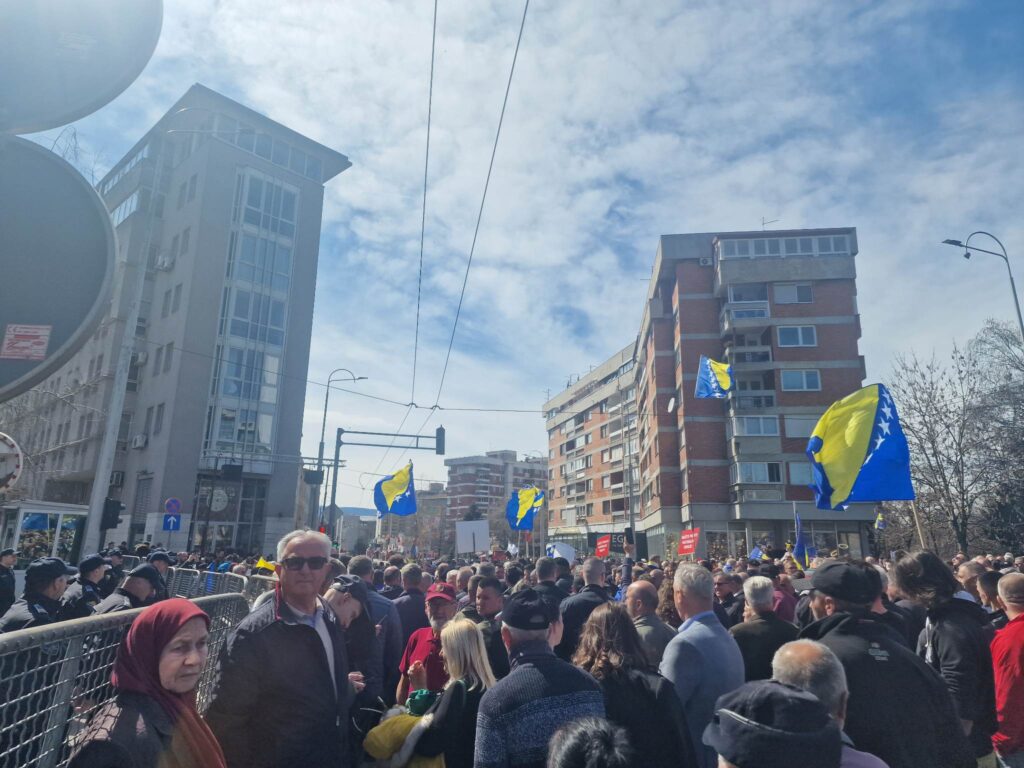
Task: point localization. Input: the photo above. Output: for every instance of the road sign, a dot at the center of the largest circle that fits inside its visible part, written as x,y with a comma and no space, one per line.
57,262
172,506
172,522
61,61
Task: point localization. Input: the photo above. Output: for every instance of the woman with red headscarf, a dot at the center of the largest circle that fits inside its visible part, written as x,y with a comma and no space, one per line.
152,722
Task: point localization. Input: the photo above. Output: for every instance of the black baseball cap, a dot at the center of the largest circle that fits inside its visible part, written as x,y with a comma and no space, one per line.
6,552
527,609
160,555
48,568
768,724
92,562
857,583
147,572
355,586
115,553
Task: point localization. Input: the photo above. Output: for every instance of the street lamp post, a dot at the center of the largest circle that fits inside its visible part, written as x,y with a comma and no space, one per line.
966,245
314,494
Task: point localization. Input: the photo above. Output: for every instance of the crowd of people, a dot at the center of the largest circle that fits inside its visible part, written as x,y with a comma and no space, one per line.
354,660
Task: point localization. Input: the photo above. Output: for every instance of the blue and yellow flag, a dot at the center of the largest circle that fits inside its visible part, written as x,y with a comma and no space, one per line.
396,494
859,452
714,379
522,507
800,550
757,554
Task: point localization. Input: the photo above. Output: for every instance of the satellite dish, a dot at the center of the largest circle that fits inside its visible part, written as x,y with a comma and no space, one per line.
57,261
671,405
64,59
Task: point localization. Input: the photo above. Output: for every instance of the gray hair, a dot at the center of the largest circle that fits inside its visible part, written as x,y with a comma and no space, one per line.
760,593
302,533
695,581
815,668
520,636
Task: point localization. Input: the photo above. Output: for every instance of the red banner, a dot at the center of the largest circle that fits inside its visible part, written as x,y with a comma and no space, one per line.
604,546
688,541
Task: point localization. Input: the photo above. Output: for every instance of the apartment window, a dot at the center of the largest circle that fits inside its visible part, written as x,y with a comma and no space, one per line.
168,353
261,261
800,426
242,373
834,244
800,473
186,236
148,424
192,187
174,246
166,306
270,206
800,381
176,301
258,317
793,293
798,336
760,472
182,191
158,420
604,430
757,425
158,358
748,292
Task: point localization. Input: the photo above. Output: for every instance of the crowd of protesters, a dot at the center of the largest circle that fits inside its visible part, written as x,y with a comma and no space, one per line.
355,660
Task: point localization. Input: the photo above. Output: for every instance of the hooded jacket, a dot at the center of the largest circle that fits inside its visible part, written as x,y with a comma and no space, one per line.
955,643
899,708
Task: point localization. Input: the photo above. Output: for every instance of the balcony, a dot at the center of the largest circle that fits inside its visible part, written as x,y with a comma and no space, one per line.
752,399
744,316
750,358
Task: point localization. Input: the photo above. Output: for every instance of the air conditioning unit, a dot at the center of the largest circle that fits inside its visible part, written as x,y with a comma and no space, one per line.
165,263
705,261
117,479
140,441
141,358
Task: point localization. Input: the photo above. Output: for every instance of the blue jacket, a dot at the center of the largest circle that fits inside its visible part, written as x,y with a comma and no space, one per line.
384,614
412,610
702,662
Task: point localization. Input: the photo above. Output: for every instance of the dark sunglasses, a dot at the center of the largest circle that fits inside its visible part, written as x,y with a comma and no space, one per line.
296,563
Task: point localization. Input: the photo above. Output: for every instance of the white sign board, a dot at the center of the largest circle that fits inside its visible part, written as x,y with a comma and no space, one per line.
561,549
472,536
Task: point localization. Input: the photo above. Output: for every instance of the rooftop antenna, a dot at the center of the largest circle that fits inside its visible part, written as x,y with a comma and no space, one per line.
764,224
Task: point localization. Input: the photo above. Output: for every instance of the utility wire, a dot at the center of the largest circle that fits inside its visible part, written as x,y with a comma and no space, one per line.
483,200
423,215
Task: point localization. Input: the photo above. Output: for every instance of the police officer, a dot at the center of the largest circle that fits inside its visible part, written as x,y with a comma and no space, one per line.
7,558
46,579
115,575
162,562
83,593
138,590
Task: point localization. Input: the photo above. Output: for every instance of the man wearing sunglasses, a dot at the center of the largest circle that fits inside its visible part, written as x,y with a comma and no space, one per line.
284,691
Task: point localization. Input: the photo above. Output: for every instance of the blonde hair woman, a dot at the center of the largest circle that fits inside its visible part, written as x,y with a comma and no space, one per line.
452,729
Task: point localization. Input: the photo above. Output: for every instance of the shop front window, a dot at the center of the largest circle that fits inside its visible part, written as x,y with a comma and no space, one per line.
718,545
38,532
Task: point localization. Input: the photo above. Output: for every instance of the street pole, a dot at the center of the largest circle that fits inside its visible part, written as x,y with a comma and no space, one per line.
314,491
966,245
334,481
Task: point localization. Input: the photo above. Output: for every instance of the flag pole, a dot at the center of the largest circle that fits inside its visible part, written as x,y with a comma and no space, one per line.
917,522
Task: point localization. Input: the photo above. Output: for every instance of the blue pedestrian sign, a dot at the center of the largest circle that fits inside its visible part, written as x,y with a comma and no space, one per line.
172,522
172,506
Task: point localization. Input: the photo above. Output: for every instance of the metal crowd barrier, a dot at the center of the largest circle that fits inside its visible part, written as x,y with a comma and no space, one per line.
186,582
129,562
53,678
257,585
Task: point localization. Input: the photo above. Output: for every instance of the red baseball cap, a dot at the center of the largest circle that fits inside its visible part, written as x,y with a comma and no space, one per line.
441,590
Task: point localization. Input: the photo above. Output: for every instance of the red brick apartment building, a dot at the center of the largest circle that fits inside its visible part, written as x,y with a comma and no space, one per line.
781,308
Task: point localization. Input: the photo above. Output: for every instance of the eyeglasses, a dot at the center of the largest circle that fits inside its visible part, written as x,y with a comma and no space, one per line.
296,563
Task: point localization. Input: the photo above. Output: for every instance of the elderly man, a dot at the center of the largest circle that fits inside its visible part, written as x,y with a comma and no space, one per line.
729,595
283,690
577,609
519,715
655,634
1008,665
761,633
898,709
813,667
703,661
410,604
422,665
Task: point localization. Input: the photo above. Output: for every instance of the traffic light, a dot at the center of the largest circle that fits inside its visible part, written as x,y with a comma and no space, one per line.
322,529
112,510
439,441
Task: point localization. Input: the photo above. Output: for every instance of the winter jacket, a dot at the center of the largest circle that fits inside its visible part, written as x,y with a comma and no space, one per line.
451,732
646,705
80,599
550,590
575,612
955,642
129,731
759,639
7,589
899,709
275,704
1008,663
385,615
412,612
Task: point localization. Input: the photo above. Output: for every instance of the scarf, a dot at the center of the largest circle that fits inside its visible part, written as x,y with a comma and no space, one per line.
137,670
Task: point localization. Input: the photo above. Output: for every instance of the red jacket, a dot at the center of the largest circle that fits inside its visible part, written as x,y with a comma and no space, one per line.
1008,666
